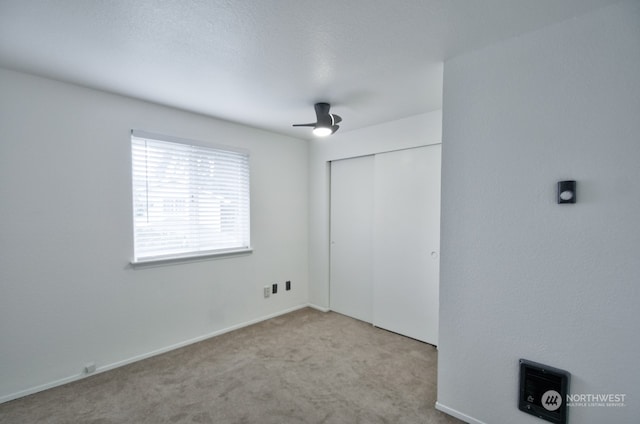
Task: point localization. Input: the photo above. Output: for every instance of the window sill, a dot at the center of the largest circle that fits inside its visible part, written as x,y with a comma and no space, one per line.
172,260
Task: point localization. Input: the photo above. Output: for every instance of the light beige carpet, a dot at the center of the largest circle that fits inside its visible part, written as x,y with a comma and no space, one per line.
303,367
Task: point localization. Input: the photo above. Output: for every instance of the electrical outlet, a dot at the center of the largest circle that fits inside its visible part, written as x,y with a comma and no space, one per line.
267,291
287,285
274,288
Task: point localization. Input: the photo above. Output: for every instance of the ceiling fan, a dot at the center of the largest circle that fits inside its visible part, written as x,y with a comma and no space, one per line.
326,124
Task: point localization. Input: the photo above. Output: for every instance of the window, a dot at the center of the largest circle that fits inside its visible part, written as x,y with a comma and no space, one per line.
188,200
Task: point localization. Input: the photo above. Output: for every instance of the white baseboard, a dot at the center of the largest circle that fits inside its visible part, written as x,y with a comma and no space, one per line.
42,387
75,377
457,414
319,308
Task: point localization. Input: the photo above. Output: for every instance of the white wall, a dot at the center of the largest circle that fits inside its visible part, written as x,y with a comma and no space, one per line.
67,293
414,131
524,277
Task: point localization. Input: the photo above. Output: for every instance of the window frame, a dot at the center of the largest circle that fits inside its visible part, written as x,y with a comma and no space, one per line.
193,255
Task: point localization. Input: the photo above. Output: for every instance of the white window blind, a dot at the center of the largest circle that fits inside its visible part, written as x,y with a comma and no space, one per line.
188,200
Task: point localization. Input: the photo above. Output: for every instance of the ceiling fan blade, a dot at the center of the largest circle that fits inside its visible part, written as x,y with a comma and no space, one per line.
334,128
305,125
336,118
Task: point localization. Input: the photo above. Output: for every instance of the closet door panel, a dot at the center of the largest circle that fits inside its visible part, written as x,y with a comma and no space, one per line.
406,242
351,286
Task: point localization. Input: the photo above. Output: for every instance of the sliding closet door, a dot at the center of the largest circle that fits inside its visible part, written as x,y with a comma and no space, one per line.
407,242
351,287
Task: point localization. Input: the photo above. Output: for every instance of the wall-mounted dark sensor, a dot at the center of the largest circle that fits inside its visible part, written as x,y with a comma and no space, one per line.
566,192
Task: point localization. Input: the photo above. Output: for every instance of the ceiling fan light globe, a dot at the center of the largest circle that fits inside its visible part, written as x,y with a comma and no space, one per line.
322,131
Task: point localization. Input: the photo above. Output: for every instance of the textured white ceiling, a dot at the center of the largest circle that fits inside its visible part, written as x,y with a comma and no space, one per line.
265,63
